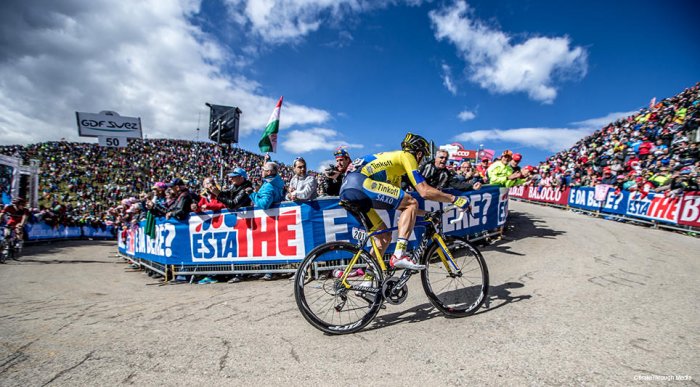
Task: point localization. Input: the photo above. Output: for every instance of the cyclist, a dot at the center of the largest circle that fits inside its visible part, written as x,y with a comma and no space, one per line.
375,183
17,217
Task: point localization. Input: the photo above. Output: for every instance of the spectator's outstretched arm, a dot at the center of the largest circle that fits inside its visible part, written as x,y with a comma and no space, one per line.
461,184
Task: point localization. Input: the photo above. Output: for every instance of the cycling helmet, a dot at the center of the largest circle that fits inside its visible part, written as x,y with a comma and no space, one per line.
17,201
414,143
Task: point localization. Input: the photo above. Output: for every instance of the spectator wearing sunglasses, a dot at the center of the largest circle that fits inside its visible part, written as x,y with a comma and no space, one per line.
437,175
302,187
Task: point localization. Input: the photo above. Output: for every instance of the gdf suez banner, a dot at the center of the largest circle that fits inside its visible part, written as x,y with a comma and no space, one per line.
284,233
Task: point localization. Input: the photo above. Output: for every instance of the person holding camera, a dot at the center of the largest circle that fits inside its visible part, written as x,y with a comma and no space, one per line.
208,200
334,174
237,195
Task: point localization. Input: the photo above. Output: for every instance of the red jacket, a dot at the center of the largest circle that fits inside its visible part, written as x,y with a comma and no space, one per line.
210,203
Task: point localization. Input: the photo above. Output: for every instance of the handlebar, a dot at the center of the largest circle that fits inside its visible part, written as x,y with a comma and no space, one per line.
460,213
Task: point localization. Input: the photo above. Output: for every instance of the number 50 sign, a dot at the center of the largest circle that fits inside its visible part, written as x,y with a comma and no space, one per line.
119,142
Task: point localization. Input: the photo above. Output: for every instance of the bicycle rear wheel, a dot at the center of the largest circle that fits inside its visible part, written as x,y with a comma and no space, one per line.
323,300
462,291
4,251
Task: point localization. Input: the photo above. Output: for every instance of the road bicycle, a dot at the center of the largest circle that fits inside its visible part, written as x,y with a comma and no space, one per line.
339,287
10,246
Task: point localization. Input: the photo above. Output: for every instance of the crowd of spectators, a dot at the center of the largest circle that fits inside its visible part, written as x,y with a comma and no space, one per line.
655,150
83,183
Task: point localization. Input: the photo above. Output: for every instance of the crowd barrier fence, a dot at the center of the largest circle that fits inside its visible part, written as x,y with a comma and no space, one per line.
253,240
678,213
40,231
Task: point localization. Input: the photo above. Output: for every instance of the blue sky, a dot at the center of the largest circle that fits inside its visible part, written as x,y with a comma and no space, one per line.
530,76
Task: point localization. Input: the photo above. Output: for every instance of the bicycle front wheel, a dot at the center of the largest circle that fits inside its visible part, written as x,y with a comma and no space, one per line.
459,286
325,302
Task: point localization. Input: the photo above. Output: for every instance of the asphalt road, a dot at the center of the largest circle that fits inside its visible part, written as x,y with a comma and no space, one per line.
573,300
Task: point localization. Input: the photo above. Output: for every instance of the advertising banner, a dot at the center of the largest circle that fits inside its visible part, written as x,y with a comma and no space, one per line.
91,232
541,194
689,212
585,198
653,207
108,124
287,232
42,231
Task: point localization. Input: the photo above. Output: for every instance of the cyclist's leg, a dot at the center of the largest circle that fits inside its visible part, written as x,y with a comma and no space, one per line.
382,241
387,196
355,190
409,209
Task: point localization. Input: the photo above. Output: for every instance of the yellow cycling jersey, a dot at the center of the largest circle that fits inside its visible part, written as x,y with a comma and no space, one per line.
389,167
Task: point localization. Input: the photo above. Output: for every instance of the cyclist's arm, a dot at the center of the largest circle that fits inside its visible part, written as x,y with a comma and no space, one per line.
427,192
25,217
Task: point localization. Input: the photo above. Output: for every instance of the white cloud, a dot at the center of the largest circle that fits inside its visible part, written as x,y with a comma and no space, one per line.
466,115
314,139
598,123
283,21
447,79
145,59
551,139
497,63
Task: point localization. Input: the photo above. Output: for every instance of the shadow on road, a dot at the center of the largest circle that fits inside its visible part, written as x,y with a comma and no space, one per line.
499,296
44,252
521,226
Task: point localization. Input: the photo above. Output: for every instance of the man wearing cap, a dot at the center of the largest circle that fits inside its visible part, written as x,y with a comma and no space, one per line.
180,209
272,189
333,176
302,187
237,195
502,172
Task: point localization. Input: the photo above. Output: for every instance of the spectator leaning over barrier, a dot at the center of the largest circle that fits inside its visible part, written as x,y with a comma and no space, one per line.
501,172
334,175
272,189
180,209
482,168
236,196
302,187
437,175
208,200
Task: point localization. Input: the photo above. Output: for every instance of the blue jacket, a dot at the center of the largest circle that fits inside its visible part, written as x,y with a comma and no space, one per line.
271,192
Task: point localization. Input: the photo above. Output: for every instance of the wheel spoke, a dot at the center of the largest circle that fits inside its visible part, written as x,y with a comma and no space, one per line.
456,294
319,297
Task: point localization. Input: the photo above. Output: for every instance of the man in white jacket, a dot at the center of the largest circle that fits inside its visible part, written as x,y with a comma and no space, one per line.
302,187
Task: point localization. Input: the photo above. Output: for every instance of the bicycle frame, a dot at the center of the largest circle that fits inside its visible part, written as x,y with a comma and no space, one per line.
443,252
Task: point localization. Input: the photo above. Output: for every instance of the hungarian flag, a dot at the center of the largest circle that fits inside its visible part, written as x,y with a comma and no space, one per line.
268,142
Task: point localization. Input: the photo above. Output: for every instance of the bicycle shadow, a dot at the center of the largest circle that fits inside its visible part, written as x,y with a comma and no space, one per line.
498,297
